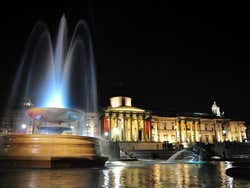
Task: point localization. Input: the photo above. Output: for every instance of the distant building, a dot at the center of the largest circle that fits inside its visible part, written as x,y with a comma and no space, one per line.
123,122
197,128
13,121
9,122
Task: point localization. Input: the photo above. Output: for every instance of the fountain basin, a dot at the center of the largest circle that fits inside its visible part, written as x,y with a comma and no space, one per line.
57,115
51,120
49,151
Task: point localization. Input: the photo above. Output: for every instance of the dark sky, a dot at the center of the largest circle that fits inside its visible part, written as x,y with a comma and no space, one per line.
169,57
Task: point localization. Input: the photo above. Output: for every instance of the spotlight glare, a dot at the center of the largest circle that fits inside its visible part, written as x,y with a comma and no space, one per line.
23,126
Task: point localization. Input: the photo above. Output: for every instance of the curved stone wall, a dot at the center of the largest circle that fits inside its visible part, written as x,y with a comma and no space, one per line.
49,148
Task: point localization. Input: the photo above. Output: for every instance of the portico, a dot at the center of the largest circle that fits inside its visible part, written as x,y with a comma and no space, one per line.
122,122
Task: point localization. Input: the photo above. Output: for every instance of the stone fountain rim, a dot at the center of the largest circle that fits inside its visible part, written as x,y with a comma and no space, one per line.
40,110
14,135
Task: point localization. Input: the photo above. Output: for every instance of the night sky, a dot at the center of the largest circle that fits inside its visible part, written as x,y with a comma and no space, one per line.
169,57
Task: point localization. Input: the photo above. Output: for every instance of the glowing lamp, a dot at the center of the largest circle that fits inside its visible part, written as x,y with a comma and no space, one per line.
23,126
116,130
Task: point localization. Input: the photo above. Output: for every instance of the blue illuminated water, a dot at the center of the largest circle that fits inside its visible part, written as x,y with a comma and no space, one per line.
56,71
57,74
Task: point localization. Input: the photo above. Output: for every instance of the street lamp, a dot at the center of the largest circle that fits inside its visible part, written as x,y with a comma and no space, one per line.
224,132
106,134
23,126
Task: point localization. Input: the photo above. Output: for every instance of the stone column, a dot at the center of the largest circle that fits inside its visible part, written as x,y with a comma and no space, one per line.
140,126
144,125
113,120
114,124
215,131
239,133
176,131
150,129
109,119
124,127
131,127
194,133
191,131
120,126
112,127
180,133
200,131
128,127
185,130
137,127
218,130
229,133
117,137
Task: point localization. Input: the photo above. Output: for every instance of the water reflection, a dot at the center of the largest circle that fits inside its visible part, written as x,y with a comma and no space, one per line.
172,175
129,174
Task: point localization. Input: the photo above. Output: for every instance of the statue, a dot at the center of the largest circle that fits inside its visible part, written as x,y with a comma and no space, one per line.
216,109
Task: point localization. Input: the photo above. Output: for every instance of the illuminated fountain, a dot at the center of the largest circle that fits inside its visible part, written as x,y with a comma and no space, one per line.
191,155
185,156
60,80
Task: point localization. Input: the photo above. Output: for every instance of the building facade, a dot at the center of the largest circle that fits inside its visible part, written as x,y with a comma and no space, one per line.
11,121
191,129
123,122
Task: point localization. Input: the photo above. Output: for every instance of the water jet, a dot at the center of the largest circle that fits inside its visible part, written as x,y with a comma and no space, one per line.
60,80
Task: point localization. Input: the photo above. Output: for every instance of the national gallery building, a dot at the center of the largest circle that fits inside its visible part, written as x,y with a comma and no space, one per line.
125,123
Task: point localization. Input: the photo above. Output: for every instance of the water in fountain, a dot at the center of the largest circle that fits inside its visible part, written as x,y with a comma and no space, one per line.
60,75
185,156
194,154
